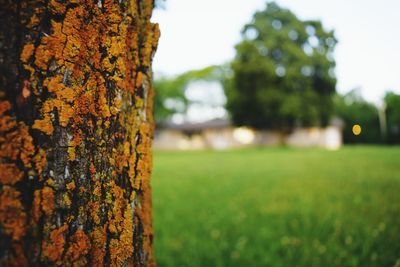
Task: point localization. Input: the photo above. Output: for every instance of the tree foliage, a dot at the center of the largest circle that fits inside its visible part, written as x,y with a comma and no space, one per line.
353,109
282,73
170,91
392,102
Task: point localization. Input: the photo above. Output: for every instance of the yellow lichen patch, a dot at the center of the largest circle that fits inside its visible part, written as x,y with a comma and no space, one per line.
71,153
121,249
48,200
132,166
116,46
115,196
153,34
122,157
50,182
144,167
54,248
144,161
27,52
12,214
67,200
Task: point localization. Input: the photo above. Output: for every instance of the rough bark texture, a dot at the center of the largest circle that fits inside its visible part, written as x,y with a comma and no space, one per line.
75,132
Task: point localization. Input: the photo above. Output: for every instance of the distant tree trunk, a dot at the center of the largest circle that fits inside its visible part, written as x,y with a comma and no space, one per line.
75,132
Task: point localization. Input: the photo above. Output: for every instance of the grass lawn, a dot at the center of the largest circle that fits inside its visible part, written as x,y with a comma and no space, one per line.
278,207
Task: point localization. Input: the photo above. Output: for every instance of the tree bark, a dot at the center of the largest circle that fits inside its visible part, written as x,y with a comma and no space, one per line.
75,132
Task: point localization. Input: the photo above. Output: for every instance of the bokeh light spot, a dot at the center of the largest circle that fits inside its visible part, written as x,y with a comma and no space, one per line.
356,129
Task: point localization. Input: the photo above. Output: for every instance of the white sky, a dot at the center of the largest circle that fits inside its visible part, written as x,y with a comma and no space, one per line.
199,33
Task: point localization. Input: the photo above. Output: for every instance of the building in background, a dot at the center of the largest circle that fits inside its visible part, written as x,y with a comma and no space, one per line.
220,134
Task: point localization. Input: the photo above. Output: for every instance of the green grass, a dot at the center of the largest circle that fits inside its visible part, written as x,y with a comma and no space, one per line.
277,207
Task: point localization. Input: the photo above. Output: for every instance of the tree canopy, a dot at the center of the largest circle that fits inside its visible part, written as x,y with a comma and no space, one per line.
392,102
283,72
170,91
353,109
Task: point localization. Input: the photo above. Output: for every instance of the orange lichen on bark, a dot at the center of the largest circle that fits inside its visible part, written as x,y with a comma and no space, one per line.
56,7
45,125
17,145
97,189
98,249
27,52
16,151
92,168
54,248
79,246
42,56
121,249
144,161
36,206
47,200
56,86
10,174
12,214
71,185
94,207
6,122
43,201
152,36
115,216
40,161
34,20
18,259
26,92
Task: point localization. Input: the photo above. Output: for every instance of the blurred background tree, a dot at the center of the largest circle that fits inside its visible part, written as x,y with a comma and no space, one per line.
170,97
283,72
353,109
392,102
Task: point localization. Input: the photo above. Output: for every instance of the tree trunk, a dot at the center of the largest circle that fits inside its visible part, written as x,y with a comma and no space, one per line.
75,132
